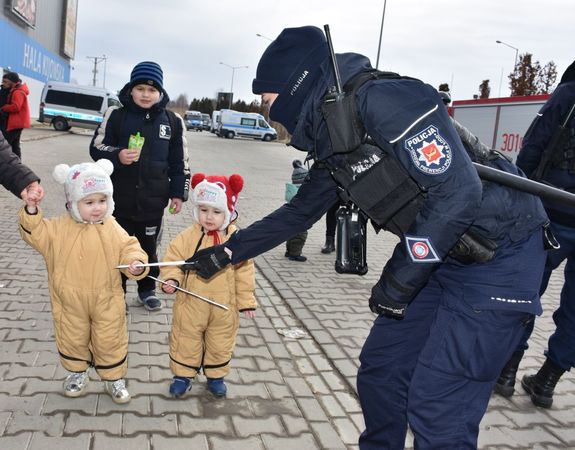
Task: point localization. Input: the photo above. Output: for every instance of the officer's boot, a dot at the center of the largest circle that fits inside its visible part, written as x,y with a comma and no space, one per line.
329,245
506,382
540,386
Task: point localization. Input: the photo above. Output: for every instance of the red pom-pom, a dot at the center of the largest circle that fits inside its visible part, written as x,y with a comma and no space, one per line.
236,183
197,179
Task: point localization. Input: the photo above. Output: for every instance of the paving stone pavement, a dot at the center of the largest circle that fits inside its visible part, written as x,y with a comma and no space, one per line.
283,393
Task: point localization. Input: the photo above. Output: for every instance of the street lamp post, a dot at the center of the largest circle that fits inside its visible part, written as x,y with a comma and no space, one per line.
232,85
510,46
265,37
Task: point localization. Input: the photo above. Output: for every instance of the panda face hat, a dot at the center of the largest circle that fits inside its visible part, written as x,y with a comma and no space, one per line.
85,179
217,191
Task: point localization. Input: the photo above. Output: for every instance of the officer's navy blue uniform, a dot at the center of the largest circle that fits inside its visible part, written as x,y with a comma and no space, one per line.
435,369
561,347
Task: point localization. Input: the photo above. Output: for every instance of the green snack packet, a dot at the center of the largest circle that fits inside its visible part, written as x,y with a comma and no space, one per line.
136,142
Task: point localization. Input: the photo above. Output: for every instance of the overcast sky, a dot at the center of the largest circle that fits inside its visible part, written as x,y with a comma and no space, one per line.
437,41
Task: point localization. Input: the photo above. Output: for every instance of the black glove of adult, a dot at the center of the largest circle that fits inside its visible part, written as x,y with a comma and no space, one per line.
208,262
379,303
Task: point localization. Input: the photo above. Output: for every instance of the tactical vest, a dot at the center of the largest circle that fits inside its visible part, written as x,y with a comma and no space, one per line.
371,178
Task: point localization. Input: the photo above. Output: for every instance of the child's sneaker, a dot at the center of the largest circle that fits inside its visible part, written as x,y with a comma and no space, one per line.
179,386
117,390
75,384
149,300
217,387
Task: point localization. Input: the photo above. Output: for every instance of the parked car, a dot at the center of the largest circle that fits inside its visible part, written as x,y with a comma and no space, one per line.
65,105
193,120
241,124
206,122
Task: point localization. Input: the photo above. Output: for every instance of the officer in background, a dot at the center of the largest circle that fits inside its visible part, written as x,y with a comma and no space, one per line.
445,324
559,171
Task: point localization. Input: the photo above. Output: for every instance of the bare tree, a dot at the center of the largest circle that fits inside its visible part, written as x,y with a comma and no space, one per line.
180,104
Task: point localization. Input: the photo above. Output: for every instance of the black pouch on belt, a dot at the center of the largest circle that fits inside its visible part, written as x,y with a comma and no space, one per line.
472,247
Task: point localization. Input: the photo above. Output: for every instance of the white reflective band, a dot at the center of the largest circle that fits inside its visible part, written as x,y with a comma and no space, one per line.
419,119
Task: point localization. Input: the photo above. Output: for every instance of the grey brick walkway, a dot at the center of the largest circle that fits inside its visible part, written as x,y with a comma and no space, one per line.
283,394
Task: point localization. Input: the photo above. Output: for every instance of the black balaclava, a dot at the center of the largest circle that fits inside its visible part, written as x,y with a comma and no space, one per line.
289,67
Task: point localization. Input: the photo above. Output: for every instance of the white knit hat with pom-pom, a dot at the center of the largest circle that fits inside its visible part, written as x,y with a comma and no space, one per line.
85,179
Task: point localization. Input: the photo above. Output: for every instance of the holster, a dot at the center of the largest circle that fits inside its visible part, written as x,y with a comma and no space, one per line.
472,247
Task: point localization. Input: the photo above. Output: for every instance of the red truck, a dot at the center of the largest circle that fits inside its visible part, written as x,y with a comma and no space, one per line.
499,123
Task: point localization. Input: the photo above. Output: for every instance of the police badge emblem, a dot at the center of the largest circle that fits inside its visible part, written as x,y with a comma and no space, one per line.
430,153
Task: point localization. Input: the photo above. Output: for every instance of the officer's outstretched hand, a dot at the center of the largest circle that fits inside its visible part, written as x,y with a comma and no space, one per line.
208,262
379,303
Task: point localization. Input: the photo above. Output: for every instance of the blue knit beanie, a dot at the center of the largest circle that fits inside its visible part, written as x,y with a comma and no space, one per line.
289,67
147,72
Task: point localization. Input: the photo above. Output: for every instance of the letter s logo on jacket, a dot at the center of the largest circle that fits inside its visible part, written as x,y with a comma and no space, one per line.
165,132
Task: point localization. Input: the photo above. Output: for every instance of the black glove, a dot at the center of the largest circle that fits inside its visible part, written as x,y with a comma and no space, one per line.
208,262
379,303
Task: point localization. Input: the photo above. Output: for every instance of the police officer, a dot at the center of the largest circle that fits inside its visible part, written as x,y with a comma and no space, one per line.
560,173
445,327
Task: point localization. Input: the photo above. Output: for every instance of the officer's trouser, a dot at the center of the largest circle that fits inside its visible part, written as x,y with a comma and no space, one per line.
561,346
435,369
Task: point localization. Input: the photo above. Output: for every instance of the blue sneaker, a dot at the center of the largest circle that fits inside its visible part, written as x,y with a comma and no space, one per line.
217,387
149,300
179,386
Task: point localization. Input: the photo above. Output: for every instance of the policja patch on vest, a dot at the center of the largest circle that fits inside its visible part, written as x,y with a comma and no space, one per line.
420,249
430,153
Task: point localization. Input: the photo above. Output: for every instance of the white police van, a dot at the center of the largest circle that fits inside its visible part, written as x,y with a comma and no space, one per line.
215,121
65,105
250,125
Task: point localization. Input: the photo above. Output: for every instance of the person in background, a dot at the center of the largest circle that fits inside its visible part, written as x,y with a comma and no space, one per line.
560,354
17,109
330,226
147,145
82,249
294,245
203,336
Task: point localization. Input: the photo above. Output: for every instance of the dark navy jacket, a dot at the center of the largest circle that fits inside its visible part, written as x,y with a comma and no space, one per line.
407,119
142,189
552,114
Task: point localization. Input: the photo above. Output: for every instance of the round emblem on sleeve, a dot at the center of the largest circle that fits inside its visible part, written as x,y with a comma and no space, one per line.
429,151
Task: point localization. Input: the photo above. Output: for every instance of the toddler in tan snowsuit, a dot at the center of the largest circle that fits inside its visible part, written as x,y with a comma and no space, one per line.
81,250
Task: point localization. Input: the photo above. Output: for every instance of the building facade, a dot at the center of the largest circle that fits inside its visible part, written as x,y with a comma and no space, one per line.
37,40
